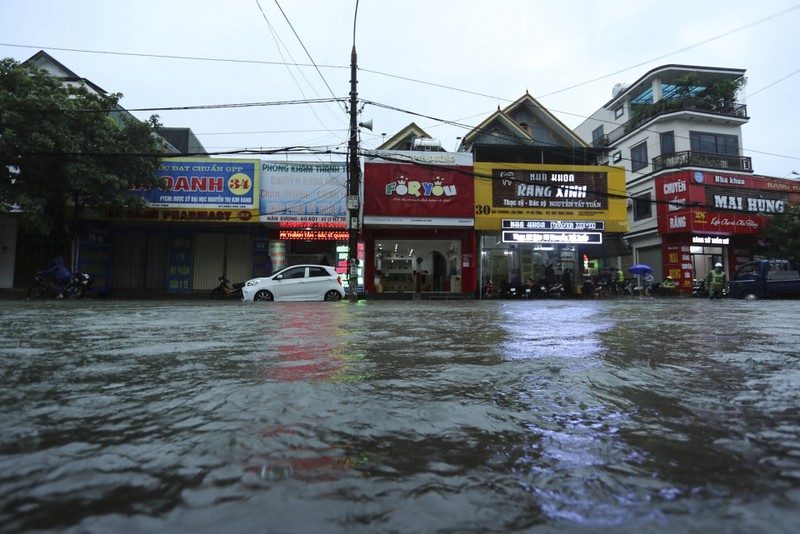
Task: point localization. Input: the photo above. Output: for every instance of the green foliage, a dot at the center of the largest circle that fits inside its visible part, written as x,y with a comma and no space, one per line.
782,234
65,149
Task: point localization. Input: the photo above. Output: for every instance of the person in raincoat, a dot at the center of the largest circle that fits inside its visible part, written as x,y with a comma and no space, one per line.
60,274
716,282
668,287
619,280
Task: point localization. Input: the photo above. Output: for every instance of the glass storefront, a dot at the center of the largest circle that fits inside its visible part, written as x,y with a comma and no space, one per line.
704,259
405,266
510,264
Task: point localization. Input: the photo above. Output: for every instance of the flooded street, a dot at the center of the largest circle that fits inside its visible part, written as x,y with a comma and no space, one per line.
668,415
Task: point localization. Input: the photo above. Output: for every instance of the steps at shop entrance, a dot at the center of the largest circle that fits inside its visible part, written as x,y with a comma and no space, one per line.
426,295
445,296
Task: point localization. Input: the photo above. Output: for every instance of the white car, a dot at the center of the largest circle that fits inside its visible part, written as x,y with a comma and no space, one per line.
299,282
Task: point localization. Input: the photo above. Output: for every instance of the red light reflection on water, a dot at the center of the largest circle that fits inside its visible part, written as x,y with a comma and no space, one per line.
312,346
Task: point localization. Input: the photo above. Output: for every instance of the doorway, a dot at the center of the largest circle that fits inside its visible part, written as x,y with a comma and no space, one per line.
439,271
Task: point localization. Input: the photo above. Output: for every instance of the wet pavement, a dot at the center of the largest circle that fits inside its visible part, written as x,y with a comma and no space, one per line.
460,416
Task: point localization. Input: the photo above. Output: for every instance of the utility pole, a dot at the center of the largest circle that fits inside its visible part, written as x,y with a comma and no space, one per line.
354,169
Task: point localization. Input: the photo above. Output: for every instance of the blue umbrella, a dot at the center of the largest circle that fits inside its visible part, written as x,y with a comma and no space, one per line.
640,269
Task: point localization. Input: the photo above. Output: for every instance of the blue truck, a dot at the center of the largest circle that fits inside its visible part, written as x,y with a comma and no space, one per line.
765,279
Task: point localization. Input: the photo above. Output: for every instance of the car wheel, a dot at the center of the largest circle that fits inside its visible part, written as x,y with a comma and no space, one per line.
333,296
750,296
263,296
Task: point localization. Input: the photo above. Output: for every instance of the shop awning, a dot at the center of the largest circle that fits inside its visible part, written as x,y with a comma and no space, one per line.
612,245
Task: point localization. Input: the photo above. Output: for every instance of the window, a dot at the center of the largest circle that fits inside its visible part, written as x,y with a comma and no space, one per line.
639,157
619,112
597,133
642,207
617,157
299,272
667,143
317,271
712,143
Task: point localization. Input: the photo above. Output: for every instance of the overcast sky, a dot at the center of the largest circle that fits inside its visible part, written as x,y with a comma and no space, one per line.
443,64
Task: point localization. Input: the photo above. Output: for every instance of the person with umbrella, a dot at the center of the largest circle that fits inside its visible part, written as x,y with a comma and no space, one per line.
639,270
648,284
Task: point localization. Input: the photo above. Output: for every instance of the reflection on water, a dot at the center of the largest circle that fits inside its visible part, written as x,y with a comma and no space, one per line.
400,416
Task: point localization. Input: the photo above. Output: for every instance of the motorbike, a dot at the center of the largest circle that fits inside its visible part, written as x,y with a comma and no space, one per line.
226,290
487,290
555,290
78,287
699,289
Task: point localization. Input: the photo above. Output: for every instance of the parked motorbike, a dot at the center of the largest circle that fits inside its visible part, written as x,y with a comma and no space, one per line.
555,290
78,287
226,290
487,290
699,289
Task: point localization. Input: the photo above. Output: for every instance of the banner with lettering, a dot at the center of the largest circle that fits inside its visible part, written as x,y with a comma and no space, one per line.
720,203
409,190
562,192
301,191
204,183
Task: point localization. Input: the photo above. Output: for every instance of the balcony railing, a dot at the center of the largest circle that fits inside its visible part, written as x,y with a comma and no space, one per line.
662,107
701,159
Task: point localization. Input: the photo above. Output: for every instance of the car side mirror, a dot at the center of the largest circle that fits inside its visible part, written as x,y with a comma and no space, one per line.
279,277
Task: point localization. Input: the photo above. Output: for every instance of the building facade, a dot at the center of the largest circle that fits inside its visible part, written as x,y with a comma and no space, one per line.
544,208
677,132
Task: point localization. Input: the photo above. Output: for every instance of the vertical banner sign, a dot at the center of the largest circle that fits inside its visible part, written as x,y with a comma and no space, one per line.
262,265
94,258
277,255
678,265
179,269
343,266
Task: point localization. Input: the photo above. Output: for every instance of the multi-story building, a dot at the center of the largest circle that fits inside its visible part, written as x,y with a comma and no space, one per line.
523,198
693,198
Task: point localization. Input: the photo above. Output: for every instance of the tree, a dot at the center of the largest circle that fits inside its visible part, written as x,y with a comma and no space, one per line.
65,149
782,234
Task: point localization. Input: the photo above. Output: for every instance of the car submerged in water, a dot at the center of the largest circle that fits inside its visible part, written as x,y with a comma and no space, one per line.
296,283
764,279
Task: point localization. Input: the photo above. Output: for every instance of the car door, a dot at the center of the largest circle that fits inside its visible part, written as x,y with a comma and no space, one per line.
291,285
318,283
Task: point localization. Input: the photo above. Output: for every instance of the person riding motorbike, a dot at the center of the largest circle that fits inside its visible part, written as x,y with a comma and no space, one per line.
60,274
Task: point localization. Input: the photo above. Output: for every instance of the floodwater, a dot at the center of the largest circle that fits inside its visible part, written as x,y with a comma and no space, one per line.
674,415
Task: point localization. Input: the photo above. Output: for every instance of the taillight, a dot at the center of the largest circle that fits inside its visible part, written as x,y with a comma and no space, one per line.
339,279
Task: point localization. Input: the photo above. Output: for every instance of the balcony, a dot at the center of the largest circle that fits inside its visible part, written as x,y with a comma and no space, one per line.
688,158
649,111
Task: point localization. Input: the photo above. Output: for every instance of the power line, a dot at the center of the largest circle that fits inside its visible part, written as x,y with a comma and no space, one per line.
453,123
171,56
188,108
278,44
